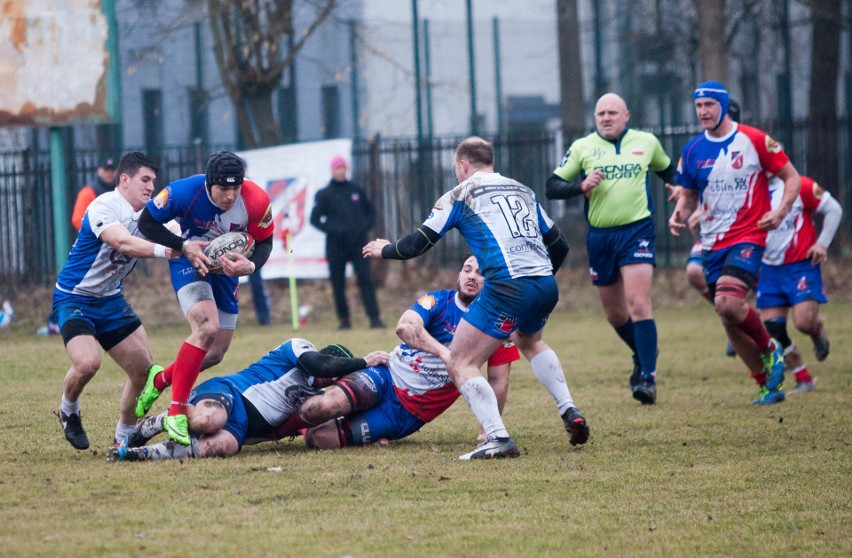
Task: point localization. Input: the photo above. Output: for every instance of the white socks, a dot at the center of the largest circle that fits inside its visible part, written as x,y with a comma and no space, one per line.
122,430
479,395
69,407
547,369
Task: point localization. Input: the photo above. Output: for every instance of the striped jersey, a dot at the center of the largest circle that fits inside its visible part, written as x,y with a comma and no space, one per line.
502,222
730,176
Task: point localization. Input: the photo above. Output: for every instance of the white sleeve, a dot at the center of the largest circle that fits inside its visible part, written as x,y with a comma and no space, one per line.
101,217
832,213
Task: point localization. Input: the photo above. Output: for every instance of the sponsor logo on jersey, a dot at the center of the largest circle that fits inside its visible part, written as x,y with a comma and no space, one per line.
615,172
593,274
355,197
771,145
802,285
720,185
161,199
426,301
565,158
817,190
746,252
705,163
525,247
638,151
737,159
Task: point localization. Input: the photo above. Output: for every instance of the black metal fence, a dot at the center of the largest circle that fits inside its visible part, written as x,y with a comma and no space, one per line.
403,178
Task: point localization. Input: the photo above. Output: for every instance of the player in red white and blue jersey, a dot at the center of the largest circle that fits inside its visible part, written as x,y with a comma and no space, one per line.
725,167
518,248
88,301
206,207
249,406
791,276
394,401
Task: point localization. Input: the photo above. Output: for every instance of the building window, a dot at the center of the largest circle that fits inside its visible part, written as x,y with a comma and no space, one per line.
287,120
330,111
152,116
198,115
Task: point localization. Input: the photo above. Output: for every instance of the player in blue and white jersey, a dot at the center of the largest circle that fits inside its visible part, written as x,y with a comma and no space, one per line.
206,207
250,406
518,248
88,301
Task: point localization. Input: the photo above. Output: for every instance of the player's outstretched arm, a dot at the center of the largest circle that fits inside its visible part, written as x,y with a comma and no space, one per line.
120,238
557,188
373,249
159,233
407,247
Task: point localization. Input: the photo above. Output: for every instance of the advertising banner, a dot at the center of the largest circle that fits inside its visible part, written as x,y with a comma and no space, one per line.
292,175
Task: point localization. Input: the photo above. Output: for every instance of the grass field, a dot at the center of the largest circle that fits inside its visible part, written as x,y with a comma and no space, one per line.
702,473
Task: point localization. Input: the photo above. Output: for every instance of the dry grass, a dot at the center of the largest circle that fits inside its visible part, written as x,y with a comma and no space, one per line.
704,472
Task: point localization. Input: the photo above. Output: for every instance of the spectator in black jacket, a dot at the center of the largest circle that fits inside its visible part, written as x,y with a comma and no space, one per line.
344,213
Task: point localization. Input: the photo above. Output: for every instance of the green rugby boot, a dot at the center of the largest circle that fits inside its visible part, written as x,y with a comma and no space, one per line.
149,393
177,428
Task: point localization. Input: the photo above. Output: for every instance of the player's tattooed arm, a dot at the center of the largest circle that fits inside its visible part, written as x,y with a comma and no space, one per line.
412,331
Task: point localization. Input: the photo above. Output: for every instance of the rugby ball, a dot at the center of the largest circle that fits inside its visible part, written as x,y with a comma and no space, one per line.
237,241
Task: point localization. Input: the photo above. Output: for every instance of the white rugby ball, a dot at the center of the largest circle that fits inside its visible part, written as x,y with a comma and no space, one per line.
237,241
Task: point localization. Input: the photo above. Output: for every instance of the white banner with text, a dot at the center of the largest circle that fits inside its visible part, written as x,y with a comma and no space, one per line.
292,175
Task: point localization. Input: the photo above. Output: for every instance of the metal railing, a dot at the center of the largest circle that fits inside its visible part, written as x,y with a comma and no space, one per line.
403,178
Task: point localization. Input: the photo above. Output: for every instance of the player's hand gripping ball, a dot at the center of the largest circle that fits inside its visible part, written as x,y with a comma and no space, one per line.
237,241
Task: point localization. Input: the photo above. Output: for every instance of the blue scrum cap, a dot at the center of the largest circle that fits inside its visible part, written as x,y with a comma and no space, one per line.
713,90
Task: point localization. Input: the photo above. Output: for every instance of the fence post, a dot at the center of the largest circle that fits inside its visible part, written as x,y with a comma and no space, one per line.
59,197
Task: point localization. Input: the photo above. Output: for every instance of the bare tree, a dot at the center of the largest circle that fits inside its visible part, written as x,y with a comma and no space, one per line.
571,70
247,38
712,43
825,63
